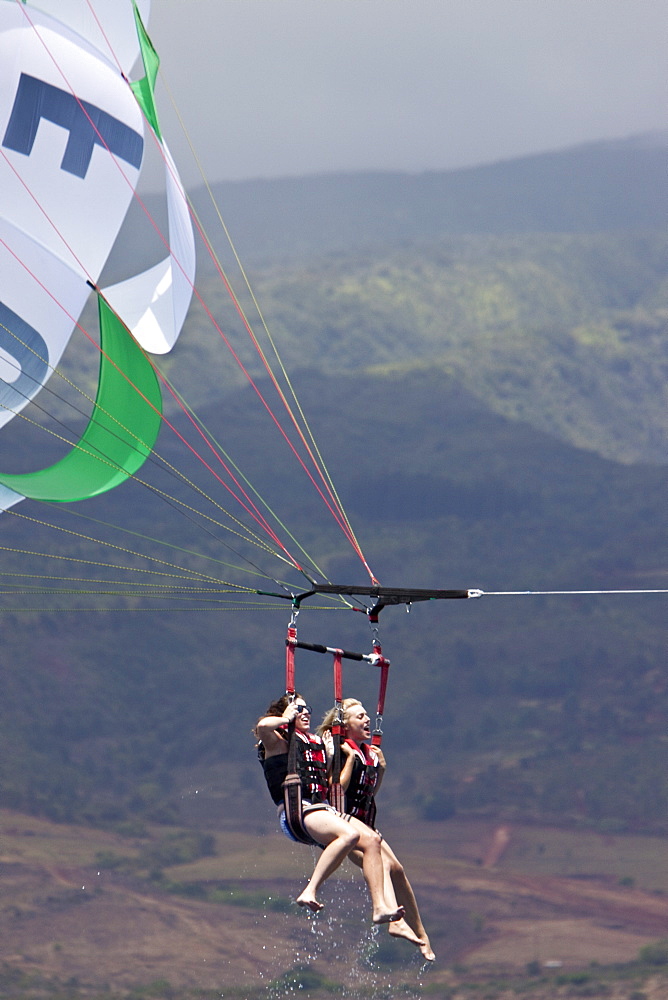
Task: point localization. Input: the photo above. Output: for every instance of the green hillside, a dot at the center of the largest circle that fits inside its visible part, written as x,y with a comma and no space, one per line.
490,398
552,707
564,332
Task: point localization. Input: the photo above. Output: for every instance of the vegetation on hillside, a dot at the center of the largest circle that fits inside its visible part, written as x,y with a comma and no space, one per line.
536,706
565,332
475,370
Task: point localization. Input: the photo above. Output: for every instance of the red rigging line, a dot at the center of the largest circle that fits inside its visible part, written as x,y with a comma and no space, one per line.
105,36
252,509
329,498
257,516
332,504
48,219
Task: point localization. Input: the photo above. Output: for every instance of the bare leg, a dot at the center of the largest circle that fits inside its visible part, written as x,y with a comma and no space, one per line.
400,891
406,897
398,928
339,847
340,838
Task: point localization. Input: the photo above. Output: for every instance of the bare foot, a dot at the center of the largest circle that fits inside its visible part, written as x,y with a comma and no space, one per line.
388,918
399,928
309,901
402,929
426,950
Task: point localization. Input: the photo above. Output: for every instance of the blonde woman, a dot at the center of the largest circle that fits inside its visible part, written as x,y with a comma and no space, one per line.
361,776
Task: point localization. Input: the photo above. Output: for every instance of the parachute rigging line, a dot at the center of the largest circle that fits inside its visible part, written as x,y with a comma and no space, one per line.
183,571
103,142
151,403
337,516
100,457
172,501
257,516
319,464
221,451
254,571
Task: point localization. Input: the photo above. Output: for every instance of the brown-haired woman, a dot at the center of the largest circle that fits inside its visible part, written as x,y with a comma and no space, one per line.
361,775
336,835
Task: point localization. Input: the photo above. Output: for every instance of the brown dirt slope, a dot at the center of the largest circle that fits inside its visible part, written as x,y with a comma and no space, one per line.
63,916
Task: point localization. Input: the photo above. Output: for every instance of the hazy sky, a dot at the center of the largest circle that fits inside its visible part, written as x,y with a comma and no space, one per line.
285,87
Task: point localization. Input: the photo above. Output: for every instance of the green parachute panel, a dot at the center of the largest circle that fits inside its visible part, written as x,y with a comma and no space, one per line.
122,429
144,89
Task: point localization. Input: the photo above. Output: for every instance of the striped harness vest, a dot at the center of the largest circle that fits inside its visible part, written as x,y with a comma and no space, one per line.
360,801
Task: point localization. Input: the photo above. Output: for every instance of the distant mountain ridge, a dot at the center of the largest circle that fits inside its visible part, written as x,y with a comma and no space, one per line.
565,331
615,185
590,188
540,281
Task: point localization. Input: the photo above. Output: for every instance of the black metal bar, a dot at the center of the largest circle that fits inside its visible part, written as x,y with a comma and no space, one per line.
384,596
315,647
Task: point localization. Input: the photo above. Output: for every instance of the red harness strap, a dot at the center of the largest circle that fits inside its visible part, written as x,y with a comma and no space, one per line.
377,658
377,737
292,786
336,796
290,644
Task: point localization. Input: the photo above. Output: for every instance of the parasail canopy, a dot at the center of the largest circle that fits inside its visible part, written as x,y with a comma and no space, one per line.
72,141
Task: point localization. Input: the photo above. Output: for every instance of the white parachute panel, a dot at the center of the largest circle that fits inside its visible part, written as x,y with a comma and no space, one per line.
108,25
154,304
71,140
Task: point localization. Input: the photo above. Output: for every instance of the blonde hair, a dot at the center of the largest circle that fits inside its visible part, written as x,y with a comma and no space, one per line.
328,721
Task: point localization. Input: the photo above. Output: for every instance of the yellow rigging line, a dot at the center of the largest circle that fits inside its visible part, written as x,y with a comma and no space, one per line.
107,583
320,463
249,535
232,607
211,437
169,545
180,570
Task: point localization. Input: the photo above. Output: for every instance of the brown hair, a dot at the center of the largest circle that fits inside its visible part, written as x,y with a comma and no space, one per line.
277,708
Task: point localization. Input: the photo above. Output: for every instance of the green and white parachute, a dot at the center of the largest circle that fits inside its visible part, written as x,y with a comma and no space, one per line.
72,139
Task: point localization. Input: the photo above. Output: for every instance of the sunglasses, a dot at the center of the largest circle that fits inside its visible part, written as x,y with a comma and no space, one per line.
302,708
